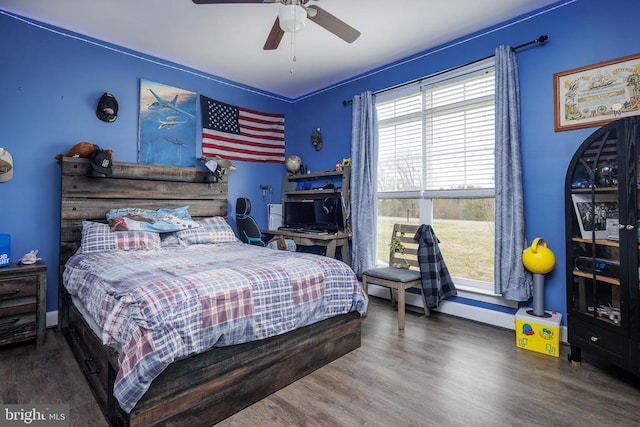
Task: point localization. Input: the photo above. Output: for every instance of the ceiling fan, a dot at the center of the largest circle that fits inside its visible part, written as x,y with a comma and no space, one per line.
292,16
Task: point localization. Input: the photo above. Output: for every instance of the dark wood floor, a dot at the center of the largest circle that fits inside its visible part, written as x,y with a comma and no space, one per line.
439,371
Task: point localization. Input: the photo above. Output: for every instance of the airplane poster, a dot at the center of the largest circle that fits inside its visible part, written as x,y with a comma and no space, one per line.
167,125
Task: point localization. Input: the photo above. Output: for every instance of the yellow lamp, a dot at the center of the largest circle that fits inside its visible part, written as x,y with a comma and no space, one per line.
537,258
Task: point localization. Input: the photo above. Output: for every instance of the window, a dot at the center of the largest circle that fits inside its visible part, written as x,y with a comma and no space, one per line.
436,166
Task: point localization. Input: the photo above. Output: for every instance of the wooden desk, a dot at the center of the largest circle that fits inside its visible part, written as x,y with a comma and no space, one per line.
329,241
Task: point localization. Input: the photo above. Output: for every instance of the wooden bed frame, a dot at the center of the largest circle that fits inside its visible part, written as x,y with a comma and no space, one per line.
203,389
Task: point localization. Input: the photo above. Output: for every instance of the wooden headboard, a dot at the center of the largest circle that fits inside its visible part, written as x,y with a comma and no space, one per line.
135,185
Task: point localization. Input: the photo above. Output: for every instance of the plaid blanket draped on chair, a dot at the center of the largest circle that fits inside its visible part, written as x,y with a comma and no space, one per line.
436,280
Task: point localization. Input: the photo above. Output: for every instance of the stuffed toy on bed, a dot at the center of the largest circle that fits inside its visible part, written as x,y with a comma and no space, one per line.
83,149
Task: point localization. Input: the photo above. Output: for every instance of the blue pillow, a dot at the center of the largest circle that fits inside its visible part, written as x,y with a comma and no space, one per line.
159,221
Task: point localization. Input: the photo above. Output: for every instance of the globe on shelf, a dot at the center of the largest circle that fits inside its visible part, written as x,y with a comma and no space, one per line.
293,163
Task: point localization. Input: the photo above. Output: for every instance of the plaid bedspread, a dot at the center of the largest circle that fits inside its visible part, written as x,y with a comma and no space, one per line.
155,307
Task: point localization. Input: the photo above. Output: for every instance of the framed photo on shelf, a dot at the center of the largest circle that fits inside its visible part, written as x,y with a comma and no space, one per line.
597,94
593,219
612,229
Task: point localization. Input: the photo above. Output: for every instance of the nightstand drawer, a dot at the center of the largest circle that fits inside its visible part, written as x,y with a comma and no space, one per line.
18,306
19,327
18,287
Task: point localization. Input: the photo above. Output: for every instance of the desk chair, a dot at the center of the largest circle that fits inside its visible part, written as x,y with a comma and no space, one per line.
399,279
248,229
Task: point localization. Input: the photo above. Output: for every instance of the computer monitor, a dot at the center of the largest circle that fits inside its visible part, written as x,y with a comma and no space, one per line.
299,214
320,214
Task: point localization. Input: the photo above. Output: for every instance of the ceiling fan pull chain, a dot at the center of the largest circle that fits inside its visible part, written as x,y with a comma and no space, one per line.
293,51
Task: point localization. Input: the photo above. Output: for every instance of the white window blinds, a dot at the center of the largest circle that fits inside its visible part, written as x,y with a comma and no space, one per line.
438,134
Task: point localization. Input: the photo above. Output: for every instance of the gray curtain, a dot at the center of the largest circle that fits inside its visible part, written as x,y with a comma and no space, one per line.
511,278
364,158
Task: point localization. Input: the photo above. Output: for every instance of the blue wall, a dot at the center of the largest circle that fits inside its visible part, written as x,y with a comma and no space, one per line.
51,83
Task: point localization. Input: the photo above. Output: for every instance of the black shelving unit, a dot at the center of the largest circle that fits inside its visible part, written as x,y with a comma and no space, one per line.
603,312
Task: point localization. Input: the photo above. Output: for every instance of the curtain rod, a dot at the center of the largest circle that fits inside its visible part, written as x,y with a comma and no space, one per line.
543,38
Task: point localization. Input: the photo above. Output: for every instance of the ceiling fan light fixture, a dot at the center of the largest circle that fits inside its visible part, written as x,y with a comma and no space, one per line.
292,18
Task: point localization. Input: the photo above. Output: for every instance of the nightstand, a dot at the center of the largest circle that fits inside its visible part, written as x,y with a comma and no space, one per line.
23,293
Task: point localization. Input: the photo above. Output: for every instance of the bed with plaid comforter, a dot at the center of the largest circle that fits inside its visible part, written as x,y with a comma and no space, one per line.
155,307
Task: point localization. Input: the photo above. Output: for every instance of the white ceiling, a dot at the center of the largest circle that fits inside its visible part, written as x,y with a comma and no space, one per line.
226,39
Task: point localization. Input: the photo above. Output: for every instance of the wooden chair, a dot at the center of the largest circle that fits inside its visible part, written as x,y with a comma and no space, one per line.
399,279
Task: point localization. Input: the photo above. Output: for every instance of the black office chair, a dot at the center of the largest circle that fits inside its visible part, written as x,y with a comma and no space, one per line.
247,227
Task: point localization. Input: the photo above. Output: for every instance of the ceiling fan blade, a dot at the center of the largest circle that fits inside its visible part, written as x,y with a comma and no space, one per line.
274,37
233,1
334,25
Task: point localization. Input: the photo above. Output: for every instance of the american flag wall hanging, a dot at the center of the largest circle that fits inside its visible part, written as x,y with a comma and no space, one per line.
236,133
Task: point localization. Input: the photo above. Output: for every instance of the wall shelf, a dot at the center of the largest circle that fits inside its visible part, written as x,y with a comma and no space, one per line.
339,191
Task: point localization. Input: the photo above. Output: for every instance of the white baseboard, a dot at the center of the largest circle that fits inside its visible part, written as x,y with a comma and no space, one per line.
478,314
465,311
52,319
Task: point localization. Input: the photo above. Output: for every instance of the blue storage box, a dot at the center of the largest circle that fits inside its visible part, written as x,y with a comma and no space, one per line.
5,250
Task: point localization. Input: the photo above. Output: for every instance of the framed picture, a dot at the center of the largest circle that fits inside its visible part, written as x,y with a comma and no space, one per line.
593,218
167,125
612,229
597,94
